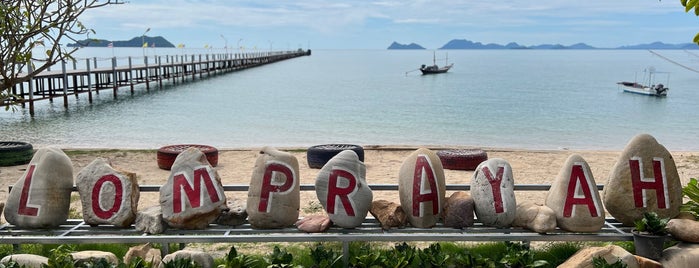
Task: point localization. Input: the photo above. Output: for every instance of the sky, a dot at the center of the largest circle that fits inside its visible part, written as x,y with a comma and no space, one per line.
360,24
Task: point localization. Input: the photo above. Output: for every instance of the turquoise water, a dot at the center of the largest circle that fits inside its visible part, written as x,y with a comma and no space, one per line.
530,99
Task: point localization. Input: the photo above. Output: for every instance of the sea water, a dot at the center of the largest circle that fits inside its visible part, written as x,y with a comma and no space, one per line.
529,99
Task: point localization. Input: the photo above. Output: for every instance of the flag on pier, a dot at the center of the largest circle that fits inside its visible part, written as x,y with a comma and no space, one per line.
180,45
111,44
145,44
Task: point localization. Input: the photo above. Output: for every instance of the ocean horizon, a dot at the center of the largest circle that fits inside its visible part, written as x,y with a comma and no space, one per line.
520,99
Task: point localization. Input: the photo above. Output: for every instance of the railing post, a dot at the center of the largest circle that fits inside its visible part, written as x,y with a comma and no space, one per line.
65,84
131,74
89,81
114,76
145,61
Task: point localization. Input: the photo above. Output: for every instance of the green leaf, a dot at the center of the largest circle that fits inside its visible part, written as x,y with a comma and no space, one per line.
690,5
684,3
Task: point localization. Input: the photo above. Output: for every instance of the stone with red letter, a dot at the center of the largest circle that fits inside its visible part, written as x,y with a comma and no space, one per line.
421,187
41,197
574,197
193,195
643,179
342,189
274,195
108,196
492,189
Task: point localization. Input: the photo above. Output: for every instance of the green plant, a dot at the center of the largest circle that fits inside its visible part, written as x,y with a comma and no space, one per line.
139,262
11,264
233,260
279,258
599,262
181,263
519,255
691,191
60,258
324,258
651,224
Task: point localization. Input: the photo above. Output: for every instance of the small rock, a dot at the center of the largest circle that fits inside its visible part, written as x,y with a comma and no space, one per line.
200,258
458,211
45,202
145,252
342,189
684,230
540,219
389,214
314,224
492,188
647,263
682,255
233,215
274,197
26,260
81,257
150,220
421,187
611,254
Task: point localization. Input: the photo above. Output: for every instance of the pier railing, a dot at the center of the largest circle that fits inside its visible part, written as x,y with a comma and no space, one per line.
87,76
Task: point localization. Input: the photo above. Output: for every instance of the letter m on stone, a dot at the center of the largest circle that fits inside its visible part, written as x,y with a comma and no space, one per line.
641,185
193,191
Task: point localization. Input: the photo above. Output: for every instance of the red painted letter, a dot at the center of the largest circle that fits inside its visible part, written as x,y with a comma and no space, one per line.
24,208
268,186
642,184
334,191
495,187
424,175
579,181
118,198
194,195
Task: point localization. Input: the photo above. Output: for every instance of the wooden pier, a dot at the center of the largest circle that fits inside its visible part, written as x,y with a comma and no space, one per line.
93,79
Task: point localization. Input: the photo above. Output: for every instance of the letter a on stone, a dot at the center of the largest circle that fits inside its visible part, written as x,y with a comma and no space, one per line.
574,197
422,188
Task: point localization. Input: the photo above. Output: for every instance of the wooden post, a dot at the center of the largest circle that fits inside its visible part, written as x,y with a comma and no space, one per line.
65,84
114,75
131,75
31,90
89,81
145,61
160,72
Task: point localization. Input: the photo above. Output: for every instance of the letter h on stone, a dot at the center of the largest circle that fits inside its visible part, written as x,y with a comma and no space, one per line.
641,184
424,176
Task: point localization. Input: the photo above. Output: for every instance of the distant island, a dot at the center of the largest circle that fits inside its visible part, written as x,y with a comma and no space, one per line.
157,41
467,44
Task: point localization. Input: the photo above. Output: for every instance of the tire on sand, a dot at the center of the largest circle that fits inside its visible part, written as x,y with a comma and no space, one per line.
167,154
318,155
13,153
462,159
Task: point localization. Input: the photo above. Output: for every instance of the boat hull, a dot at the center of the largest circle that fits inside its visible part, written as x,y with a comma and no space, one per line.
636,88
435,70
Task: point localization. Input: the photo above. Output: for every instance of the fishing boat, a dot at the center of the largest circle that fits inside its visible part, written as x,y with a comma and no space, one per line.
648,86
434,68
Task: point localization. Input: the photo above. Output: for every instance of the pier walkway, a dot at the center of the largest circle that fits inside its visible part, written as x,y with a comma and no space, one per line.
93,79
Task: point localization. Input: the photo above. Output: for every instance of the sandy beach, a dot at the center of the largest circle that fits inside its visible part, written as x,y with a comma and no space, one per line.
383,164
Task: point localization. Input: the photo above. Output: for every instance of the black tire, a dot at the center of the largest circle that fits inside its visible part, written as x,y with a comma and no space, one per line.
462,159
167,154
318,155
13,153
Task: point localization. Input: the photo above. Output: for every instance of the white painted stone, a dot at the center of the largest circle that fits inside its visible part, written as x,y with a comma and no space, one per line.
643,179
342,190
108,196
274,193
575,199
41,197
193,195
492,189
421,187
